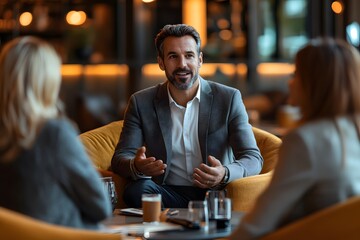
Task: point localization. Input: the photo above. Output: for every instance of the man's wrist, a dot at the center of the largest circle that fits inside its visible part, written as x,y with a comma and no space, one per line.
224,180
135,168
226,177
135,173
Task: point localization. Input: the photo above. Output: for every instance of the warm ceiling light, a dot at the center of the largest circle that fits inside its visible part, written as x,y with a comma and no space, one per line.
76,17
337,7
25,19
148,1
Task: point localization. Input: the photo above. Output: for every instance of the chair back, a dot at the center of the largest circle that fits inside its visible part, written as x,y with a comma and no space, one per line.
340,221
245,191
14,226
100,145
269,146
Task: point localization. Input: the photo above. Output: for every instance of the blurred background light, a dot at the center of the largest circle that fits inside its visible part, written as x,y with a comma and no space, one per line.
25,19
337,7
225,34
76,17
294,7
353,34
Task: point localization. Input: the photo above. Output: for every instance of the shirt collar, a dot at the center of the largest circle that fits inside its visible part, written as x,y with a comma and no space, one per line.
197,96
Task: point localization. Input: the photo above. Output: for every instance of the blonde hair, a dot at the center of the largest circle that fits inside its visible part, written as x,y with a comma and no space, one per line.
329,71
30,78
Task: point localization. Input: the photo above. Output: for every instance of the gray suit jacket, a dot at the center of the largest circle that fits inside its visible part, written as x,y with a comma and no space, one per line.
224,131
55,181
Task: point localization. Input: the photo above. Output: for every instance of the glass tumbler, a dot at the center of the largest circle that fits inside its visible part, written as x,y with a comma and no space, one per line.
222,212
212,198
198,214
109,188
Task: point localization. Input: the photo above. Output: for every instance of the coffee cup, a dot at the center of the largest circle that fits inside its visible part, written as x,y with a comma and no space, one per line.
151,206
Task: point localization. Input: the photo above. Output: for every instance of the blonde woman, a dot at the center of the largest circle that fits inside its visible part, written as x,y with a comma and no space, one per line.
44,170
320,160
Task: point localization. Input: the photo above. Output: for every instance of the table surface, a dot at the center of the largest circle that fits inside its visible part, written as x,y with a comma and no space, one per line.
187,234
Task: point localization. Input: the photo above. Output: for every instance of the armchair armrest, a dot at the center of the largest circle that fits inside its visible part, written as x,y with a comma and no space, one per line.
244,192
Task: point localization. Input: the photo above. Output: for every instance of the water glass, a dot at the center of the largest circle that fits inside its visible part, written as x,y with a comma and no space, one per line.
222,212
109,188
198,214
210,197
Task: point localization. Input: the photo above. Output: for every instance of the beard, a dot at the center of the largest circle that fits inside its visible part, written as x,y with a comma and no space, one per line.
182,83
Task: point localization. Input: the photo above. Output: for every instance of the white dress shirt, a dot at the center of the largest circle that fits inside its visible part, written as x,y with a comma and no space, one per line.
186,152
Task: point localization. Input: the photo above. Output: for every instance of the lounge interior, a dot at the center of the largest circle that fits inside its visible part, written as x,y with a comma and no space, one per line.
108,54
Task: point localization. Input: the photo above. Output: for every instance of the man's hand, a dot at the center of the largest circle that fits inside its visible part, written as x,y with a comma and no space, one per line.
209,176
148,166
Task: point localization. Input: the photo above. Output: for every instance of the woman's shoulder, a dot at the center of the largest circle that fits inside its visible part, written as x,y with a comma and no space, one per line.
315,126
321,132
330,125
59,123
59,127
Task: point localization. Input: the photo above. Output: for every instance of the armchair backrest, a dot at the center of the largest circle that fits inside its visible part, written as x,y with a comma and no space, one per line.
100,143
269,146
14,225
245,191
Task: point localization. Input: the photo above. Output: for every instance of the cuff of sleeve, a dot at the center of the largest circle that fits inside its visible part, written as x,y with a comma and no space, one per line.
224,181
135,174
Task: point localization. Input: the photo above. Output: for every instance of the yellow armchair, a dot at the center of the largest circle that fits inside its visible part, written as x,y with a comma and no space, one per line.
244,191
14,225
100,144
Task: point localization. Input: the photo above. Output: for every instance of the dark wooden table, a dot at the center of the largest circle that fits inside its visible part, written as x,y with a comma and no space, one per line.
193,234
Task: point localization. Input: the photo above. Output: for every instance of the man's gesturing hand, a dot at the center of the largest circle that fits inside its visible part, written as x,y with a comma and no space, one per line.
149,166
209,176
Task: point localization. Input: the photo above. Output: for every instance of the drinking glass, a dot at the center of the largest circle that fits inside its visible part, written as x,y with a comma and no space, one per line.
198,214
222,212
109,188
210,197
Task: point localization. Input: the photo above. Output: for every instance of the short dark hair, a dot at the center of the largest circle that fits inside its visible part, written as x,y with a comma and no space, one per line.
176,30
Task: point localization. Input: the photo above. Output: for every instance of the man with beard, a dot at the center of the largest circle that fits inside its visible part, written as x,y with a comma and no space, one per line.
187,135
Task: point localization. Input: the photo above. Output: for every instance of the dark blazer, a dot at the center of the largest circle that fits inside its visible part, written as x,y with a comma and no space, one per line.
224,131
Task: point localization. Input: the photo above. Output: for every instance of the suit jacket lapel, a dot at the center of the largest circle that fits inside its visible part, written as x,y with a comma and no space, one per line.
206,101
162,109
